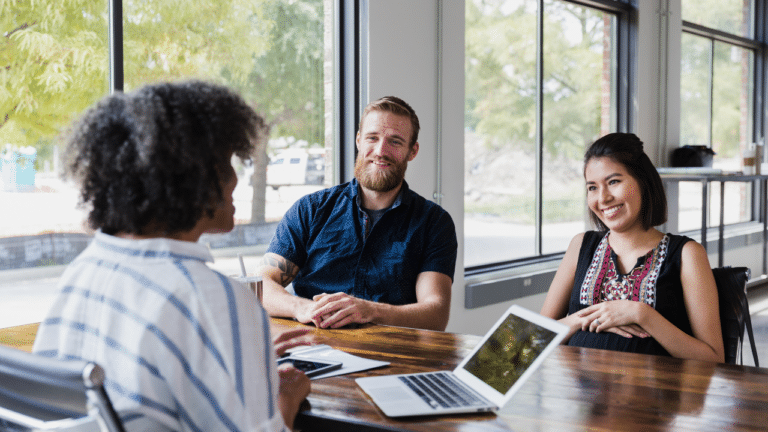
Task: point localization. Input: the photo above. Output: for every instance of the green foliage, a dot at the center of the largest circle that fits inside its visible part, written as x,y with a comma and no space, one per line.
54,58
726,15
53,64
716,79
522,209
286,81
501,74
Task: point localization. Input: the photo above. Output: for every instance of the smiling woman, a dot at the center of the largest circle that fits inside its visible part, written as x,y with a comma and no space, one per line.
628,286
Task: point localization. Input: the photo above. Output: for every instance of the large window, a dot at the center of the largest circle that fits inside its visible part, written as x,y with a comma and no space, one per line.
540,86
55,59
717,78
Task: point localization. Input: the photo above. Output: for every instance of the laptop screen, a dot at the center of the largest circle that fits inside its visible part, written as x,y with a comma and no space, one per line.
509,352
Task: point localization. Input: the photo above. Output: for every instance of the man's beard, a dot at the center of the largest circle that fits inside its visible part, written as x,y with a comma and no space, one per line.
378,180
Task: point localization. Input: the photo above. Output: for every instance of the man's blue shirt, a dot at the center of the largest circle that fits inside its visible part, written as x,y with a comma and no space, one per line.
324,234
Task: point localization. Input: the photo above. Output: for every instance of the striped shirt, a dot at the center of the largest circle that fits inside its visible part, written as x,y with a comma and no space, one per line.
184,347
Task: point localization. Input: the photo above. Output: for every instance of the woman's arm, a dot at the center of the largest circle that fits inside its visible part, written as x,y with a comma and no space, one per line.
701,303
556,303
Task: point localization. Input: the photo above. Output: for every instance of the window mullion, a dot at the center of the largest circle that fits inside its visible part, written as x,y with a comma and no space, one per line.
539,127
711,91
115,46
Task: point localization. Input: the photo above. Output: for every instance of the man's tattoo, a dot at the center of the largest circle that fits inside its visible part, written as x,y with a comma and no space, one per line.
288,270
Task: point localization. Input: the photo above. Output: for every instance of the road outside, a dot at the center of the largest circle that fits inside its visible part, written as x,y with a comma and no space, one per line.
27,294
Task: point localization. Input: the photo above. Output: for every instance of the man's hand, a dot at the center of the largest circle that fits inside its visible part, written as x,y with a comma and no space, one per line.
290,339
340,309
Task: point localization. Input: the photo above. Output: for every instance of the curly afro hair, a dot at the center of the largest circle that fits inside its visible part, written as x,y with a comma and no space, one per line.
156,157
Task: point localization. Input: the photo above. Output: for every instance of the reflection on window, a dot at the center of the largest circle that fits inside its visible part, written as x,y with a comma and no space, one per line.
500,122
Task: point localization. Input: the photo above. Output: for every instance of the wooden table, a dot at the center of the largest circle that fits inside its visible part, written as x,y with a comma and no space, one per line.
574,390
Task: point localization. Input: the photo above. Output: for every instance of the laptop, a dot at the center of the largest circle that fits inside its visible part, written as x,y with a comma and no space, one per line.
484,381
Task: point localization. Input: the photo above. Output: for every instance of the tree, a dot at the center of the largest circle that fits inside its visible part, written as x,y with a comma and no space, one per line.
53,64
54,58
286,84
501,73
501,107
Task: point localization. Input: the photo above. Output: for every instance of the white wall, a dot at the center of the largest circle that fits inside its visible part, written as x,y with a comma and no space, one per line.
657,100
404,61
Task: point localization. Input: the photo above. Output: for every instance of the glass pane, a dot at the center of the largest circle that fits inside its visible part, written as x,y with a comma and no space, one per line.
732,102
272,52
737,205
579,107
732,16
55,64
689,202
500,122
695,90
500,131
56,53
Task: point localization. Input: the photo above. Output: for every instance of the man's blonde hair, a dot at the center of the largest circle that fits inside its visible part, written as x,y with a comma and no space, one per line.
394,105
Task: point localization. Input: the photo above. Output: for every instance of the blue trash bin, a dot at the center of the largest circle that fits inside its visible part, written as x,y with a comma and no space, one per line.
19,170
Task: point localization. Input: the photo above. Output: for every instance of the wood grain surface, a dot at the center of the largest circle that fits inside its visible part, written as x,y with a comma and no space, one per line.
576,389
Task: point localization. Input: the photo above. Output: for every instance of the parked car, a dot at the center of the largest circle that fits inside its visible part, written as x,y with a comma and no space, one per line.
296,167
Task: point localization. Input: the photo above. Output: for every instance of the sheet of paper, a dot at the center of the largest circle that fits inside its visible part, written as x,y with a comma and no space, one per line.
350,363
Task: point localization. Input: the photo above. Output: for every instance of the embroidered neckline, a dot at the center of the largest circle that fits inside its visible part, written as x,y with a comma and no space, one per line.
603,282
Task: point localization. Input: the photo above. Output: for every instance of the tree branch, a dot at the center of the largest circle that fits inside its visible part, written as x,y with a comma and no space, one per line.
20,28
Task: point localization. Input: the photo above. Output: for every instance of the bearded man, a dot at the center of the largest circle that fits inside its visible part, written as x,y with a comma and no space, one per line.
370,250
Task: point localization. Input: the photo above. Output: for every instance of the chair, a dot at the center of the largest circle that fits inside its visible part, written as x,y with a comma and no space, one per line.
734,311
40,393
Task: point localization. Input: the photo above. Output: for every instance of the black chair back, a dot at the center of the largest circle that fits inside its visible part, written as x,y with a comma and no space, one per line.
734,311
40,393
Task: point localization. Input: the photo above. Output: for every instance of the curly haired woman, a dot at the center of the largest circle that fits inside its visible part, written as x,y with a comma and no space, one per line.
183,347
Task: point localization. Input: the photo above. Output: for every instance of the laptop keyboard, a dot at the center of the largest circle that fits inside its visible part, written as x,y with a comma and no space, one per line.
440,389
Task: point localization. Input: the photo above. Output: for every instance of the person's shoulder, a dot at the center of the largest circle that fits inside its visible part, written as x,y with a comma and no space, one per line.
413,198
684,243
689,246
589,237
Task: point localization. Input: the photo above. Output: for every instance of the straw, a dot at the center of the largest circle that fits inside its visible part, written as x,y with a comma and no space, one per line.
242,265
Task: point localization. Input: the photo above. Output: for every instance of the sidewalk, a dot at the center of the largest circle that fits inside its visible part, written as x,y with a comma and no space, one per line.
27,294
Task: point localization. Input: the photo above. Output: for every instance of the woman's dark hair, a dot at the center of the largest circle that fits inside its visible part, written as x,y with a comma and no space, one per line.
627,150
155,158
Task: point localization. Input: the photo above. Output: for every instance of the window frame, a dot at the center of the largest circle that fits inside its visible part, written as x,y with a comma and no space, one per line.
757,44
625,88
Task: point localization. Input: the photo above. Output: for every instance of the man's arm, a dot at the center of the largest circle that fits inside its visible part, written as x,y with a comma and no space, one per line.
277,272
431,310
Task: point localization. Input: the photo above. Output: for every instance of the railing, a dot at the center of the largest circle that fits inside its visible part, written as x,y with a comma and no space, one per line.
671,184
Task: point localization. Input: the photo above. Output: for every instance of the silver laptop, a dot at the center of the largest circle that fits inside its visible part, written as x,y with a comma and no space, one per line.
484,381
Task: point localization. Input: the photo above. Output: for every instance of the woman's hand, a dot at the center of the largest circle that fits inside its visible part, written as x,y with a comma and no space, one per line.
617,316
290,339
293,389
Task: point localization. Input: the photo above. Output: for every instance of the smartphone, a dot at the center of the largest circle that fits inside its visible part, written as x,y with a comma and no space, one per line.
309,366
